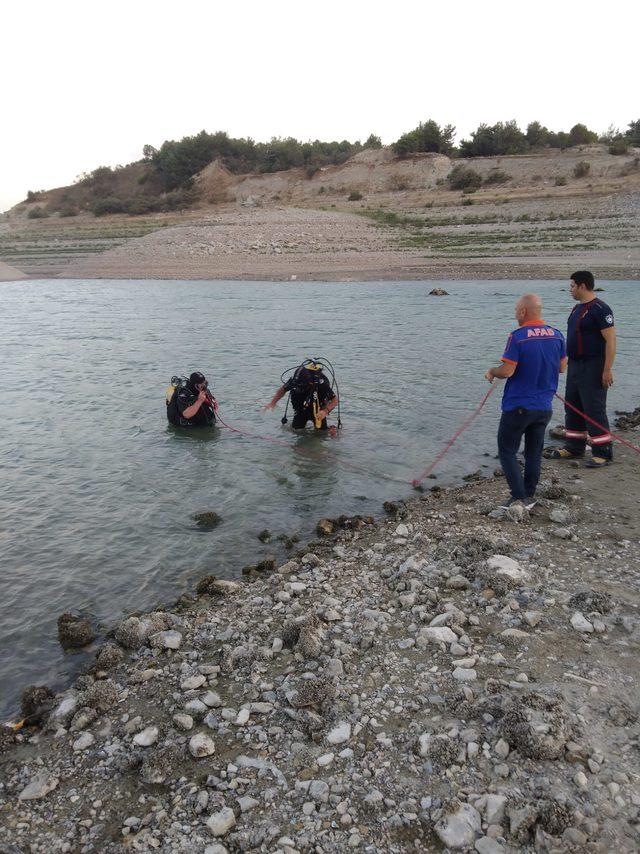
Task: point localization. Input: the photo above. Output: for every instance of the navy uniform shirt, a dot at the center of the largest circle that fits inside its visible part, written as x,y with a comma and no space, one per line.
586,321
536,350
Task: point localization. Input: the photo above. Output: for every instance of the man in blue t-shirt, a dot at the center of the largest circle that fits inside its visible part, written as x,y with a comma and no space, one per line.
534,357
591,344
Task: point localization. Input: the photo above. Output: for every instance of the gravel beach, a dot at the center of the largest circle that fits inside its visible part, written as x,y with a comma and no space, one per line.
450,677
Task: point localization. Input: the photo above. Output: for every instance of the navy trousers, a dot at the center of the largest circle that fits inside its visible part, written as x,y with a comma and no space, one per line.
530,423
586,392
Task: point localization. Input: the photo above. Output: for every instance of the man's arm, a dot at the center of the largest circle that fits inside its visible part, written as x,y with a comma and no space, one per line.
501,372
328,407
190,411
276,397
563,364
609,336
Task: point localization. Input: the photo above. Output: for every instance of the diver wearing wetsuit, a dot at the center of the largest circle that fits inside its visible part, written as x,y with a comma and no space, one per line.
192,404
311,394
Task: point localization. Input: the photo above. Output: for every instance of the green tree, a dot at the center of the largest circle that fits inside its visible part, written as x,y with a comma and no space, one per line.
492,140
427,137
372,141
633,132
581,135
537,135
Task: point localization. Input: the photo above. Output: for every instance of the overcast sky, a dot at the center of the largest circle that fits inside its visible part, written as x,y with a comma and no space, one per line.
88,83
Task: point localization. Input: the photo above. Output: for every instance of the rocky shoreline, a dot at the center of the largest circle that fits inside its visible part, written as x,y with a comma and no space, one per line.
448,678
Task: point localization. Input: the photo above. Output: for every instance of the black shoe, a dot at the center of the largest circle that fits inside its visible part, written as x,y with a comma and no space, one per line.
529,502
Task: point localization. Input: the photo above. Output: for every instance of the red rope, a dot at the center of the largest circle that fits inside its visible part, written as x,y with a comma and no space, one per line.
599,426
466,423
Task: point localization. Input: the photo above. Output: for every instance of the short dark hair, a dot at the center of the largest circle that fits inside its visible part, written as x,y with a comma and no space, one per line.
584,277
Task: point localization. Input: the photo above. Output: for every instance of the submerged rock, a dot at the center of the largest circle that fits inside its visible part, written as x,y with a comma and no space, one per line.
207,520
109,656
74,632
325,527
438,292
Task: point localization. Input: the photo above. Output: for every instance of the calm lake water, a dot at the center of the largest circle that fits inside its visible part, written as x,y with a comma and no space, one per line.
97,494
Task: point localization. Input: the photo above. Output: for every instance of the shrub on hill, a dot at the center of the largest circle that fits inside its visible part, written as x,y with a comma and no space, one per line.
37,213
496,177
464,178
354,196
581,169
633,132
619,146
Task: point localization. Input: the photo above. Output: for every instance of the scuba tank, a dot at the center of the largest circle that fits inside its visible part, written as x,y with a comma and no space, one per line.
171,397
313,366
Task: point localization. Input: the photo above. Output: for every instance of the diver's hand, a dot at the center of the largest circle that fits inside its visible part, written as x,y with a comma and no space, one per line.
322,414
202,396
489,376
607,378
269,407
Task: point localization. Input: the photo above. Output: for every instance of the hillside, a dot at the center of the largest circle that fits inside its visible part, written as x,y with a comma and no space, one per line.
375,216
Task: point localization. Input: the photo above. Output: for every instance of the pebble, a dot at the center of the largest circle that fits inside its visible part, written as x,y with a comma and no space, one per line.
339,734
465,674
147,737
193,682
166,640
39,786
458,829
221,822
580,623
183,722
85,740
200,745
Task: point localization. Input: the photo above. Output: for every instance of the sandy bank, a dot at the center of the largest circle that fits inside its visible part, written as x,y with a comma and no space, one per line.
444,678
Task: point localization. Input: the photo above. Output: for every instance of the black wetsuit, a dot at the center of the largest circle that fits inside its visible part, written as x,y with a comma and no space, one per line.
302,398
182,399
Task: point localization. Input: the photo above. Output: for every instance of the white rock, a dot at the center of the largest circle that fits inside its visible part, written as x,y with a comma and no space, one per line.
504,565
487,845
458,829
221,822
465,674
514,634
147,737
581,781
325,760
532,618
580,623
201,745
402,531
183,722
424,742
494,809
216,848
339,734
85,740
166,640
502,749
193,682
246,803
212,700
41,785
439,634
243,717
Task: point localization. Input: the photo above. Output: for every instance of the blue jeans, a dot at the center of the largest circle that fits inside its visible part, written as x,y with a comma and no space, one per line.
514,424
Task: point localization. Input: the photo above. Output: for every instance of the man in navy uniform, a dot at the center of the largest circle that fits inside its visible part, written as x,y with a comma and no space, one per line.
591,346
534,357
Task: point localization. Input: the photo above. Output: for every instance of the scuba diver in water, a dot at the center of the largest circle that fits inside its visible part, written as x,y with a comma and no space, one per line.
190,403
311,394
